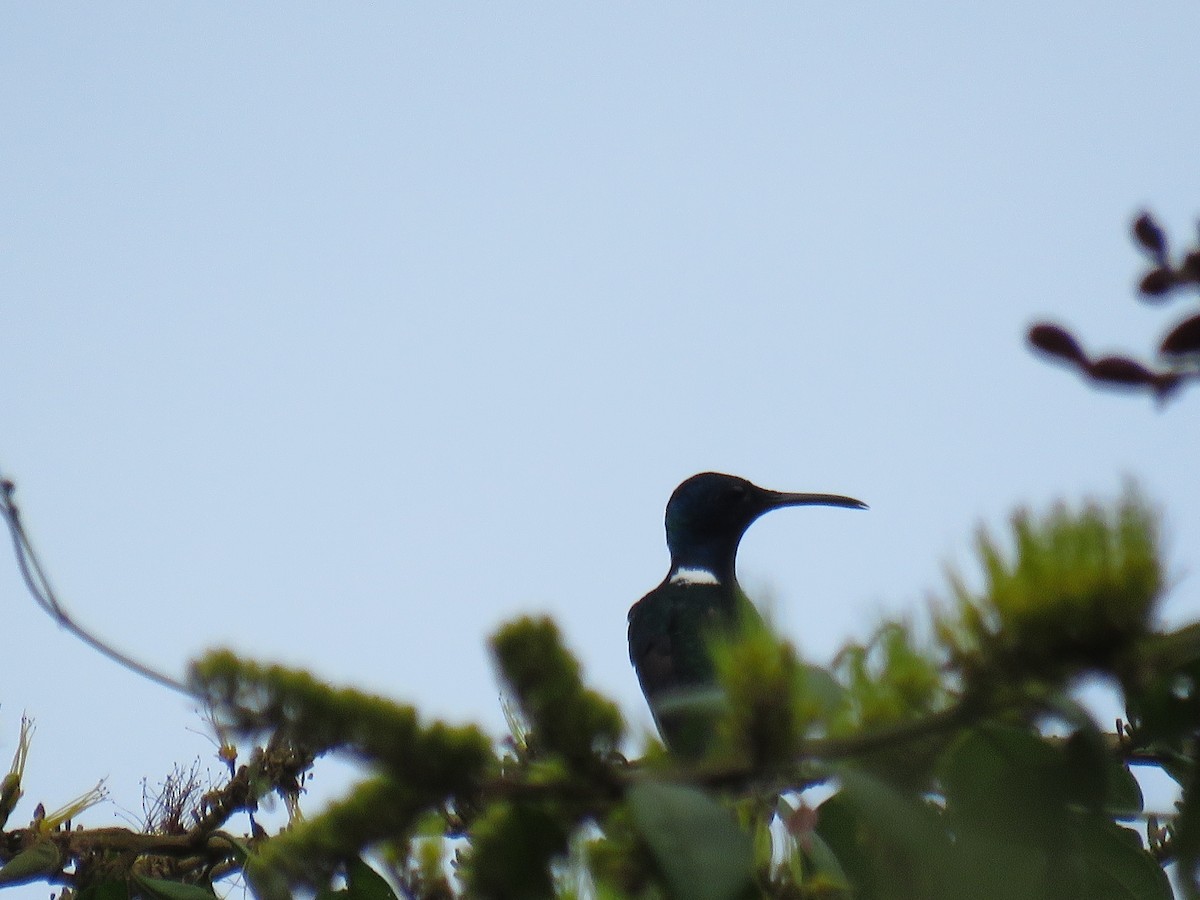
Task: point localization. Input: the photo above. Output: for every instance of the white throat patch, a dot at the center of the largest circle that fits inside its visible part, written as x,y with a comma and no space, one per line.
694,576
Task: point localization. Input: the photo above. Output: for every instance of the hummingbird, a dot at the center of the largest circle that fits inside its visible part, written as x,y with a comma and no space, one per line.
671,627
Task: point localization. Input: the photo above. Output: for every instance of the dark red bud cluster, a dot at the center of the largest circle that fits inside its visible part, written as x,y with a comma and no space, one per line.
1163,278
1148,233
1191,267
1156,284
1184,339
1180,349
1057,342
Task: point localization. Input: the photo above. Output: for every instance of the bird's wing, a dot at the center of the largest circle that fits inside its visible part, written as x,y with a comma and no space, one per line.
668,636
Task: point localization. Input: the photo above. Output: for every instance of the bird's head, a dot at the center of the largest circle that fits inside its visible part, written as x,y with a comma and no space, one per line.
708,514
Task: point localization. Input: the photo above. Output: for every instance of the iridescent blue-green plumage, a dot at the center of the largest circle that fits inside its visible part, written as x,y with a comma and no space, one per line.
670,629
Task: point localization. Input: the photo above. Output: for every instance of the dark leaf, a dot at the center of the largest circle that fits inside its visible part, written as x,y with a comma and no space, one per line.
697,844
841,828
1086,771
825,867
1121,370
1006,870
1163,702
31,864
1009,782
1175,649
1123,795
880,834
1098,777
266,882
1191,266
105,890
512,849
1149,235
1156,283
901,816
161,889
364,883
1187,834
1118,867
1183,339
1056,341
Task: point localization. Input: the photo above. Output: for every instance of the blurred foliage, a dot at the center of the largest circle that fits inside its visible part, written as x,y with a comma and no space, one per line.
954,766
1078,589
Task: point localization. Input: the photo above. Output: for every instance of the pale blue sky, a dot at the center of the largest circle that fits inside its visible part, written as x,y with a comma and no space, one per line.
341,333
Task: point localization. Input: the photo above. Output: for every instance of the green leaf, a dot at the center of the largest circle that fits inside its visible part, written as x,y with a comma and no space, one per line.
105,890
364,883
698,846
889,843
810,862
36,862
265,880
161,889
241,850
512,847
827,870
1123,795
1100,776
1187,835
840,830
820,693
1089,766
1002,780
985,866
1119,868
900,816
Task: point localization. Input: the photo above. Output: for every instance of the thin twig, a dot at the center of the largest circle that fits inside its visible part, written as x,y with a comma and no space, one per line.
39,586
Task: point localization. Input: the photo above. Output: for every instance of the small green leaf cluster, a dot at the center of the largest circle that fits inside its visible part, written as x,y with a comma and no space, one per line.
638,835
888,680
570,735
291,704
416,768
513,845
774,704
567,719
1078,592
763,718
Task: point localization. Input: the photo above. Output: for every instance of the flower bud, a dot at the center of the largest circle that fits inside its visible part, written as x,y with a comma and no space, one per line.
1058,342
1149,235
1156,283
1184,338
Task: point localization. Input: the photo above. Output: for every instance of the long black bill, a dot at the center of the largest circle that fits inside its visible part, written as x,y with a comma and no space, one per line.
776,499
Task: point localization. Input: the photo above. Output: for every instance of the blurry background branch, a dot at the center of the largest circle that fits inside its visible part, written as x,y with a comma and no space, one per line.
1178,353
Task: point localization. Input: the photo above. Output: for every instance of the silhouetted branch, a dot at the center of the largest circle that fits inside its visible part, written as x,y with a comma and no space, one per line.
1179,350
35,579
